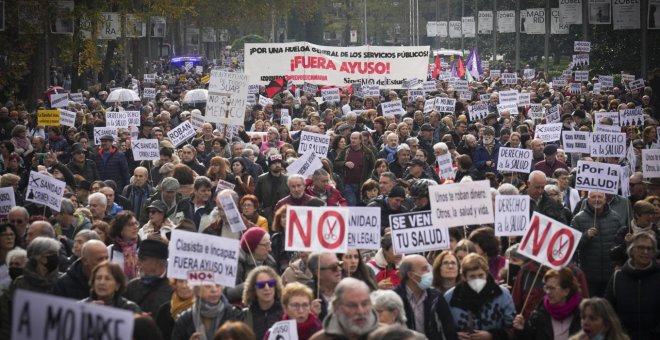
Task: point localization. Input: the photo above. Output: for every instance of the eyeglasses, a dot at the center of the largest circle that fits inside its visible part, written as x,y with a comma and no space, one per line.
333,267
266,244
644,249
262,284
303,306
16,221
549,288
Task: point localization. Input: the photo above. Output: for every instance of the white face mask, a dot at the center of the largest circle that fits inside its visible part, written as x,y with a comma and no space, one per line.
477,284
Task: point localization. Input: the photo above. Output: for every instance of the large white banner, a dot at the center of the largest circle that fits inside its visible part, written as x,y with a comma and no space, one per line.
506,21
532,21
556,25
570,12
625,15
303,62
485,25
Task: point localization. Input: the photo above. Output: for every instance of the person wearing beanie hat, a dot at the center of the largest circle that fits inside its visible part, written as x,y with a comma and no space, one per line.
168,193
390,204
152,288
255,251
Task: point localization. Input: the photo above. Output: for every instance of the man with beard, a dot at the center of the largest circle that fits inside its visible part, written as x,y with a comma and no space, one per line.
297,195
537,151
353,316
271,187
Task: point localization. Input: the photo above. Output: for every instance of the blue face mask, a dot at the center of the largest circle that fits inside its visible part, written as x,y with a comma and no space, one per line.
425,281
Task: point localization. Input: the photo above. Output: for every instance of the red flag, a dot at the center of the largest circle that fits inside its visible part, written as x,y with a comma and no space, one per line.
460,68
437,68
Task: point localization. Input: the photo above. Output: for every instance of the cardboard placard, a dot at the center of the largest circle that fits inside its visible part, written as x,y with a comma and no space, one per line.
415,232
548,132
608,144
145,149
549,242
315,141
600,177
515,159
576,141
511,215
317,229
453,204
45,190
364,228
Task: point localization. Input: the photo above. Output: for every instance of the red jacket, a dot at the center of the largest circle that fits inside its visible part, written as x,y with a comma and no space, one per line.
334,197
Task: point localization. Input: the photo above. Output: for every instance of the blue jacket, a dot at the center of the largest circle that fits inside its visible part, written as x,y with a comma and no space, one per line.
481,155
114,168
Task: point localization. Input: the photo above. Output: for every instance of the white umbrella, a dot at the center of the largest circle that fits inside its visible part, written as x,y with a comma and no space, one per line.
196,96
122,95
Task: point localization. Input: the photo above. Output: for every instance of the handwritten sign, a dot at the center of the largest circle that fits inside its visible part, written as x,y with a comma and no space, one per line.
608,144
364,228
651,163
181,133
548,132
576,141
315,141
452,204
511,215
45,190
8,201
48,117
392,108
145,149
67,118
514,159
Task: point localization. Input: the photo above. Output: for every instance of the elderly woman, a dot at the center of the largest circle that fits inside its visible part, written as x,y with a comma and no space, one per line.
446,269
108,283
558,317
261,296
170,311
389,307
124,232
481,309
159,226
16,261
599,321
273,140
249,206
22,144
297,305
210,310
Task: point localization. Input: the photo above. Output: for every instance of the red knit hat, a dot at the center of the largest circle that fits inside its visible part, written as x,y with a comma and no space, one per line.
251,239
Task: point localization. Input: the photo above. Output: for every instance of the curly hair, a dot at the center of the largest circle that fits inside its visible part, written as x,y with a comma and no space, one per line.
119,222
250,291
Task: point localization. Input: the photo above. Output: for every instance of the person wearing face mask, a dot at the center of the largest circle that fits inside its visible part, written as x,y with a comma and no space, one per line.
422,303
16,260
487,152
151,289
481,309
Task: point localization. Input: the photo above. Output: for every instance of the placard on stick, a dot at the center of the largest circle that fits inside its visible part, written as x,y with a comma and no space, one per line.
364,228
414,232
461,203
317,229
549,242
514,159
511,215
600,177
45,190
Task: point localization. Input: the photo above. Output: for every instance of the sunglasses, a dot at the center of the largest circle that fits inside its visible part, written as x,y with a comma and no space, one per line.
262,284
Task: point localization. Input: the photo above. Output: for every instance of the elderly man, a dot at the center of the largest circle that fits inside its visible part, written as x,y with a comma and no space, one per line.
424,305
356,163
537,151
271,187
598,225
138,193
540,201
98,203
550,163
112,163
67,224
112,208
297,195
74,283
386,182
353,316
39,229
320,188
152,288
19,217
399,165
638,188
168,193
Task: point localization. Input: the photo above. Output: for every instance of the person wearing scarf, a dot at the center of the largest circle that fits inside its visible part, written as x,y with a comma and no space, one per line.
124,232
297,305
389,149
558,317
480,308
209,311
182,299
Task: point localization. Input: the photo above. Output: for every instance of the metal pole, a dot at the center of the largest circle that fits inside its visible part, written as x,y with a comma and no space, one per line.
494,32
476,24
448,18
516,66
366,40
644,26
585,20
410,33
462,34
416,22
546,54
437,19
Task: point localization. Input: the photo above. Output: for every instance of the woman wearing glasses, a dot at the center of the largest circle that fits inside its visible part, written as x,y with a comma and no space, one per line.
261,298
297,305
446,268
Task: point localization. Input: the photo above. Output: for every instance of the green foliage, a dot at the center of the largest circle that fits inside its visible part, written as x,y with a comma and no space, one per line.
239,43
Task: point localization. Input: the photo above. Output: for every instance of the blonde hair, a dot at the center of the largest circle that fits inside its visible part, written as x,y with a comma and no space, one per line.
473,261
296,289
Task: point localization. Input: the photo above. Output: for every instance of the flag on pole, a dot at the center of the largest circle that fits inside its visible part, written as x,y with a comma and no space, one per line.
437,68
457,68
474,64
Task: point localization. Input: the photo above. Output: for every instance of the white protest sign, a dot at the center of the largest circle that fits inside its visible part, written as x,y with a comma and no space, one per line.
77,97
181,133
145,149
233,214
263,101
44,316
582,46
580,60
227,98
511,215
631,117
45,190
607,81
511,108
317,229
415,232
253,89
196,120
413,94
597,88
510,96
7,200
494,74
364,228
149,78
444,104
315,141
392,108
283,330
553,115
549,242
461,86
637,84
608,144
310,88
410,83
116,120
529,73
371,90
103,131
548,132
536,110
446,169
582,75
576,141
222,185
199,69
429,105
305,165
627,78
613,115
330,95
509,78
651,163
478,111
149,93
575,88
484,97
196,252
429,86
133,117
594,176
67,118
514,159
608,128
453,204
59,100
524,99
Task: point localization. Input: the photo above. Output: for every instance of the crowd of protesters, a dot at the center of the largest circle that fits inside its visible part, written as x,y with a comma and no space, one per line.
108,244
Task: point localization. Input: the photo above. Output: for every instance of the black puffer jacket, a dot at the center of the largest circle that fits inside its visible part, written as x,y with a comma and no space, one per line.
261,320
74,284
593,252
635,296
539,325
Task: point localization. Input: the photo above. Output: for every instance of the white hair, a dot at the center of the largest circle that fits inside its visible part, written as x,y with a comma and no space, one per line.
98,197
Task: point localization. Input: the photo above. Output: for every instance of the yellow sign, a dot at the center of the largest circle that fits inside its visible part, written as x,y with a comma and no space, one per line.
206,79
48,117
